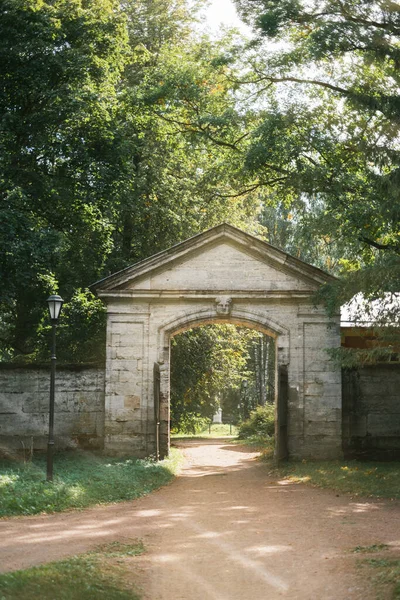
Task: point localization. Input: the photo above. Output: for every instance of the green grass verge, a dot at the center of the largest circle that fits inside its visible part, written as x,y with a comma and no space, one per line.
369,549
93,576
374,479
80,480
385,576
384,572
265,445
216,430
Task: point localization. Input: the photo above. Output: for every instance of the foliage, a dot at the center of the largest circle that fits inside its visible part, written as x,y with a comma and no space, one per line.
177,178
209,430
83,577
326,79
208,367
373,479
261,423
81,331
114,121
122,132
61,63
81,480
189,423
350,358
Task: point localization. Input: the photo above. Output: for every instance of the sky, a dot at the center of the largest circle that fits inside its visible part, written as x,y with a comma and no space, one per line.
223,12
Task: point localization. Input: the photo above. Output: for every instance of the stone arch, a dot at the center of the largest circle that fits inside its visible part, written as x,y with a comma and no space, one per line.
197,318
221,275
238,316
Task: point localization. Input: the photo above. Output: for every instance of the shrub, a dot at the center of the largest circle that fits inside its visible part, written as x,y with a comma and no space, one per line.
261,422
190,423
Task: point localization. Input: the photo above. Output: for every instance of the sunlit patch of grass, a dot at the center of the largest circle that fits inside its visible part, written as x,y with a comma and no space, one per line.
91,576
298,479
264,444
214,431
378,479
80,479
384,573
8,479
119,549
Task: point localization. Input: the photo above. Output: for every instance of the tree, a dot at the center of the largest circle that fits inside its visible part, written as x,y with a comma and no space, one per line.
326,76
209,366
178,177
97,170
61,62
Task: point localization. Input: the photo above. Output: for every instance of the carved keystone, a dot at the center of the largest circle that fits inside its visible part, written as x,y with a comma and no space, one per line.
223,305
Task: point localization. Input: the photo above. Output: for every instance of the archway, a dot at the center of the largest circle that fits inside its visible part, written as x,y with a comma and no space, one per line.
241,318
219,374
221,275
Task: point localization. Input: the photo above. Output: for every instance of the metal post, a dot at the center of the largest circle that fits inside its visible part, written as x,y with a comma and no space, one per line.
50,443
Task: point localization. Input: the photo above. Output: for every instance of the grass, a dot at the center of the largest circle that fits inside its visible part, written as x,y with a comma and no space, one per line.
386,576
97,575
81,480
373,479
264,444
359,478
384,573
217,430
370,549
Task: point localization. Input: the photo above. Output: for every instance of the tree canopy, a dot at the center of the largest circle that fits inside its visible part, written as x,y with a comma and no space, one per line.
123,130
327,80
96,169
219,366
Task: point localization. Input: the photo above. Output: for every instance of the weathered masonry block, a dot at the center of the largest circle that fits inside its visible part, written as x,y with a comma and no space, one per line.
24,407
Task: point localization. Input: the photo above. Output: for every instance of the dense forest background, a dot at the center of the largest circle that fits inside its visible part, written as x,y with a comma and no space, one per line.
124,130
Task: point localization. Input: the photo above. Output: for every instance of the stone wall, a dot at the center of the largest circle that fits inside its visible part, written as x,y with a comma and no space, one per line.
371,408
371,412
24,406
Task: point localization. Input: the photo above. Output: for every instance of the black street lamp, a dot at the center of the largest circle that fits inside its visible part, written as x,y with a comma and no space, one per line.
54,303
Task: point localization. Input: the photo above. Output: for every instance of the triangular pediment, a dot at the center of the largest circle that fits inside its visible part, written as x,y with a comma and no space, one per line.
221,259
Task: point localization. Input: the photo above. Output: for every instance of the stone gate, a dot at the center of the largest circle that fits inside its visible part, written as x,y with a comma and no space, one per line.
221,275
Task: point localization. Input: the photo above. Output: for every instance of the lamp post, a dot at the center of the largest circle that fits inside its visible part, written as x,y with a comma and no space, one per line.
54,303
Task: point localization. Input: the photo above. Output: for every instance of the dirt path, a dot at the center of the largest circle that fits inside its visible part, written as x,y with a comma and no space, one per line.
224,530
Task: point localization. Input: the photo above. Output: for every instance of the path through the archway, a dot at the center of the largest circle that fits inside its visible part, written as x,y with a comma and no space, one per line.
224,530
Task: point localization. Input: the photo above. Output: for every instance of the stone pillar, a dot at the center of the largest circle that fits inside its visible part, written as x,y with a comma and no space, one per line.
322,392
165,410
126,371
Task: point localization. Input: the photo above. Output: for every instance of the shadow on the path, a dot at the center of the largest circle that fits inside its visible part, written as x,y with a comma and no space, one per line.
220,523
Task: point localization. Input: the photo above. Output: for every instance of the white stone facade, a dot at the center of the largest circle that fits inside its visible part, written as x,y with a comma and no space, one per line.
222,275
